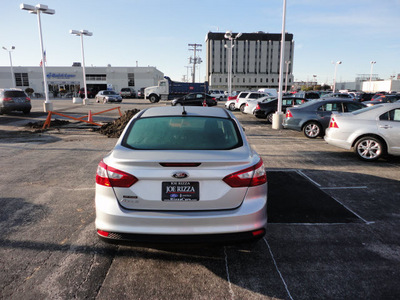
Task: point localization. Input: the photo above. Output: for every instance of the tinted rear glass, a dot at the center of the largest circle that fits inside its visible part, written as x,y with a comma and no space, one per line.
14,94
182,133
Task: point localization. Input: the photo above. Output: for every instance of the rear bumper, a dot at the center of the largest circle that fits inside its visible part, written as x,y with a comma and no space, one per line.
16,106
184,239
195,226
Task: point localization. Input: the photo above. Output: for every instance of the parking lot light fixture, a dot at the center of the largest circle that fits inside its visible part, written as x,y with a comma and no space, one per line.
37,10
334,76
11,65
81,33
229,35
370,77
277,117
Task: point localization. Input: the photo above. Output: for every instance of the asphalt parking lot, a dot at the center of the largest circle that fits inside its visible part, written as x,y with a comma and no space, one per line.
333,230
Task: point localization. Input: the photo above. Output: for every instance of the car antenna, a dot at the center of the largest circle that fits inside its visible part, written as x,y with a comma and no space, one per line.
184,113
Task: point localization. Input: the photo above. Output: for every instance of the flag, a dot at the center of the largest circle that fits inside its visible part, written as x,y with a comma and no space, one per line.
45,60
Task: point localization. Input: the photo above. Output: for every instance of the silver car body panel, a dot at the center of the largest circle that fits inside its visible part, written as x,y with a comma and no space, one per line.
354,125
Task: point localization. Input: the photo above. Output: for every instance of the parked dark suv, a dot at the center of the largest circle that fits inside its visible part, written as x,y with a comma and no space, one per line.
14,100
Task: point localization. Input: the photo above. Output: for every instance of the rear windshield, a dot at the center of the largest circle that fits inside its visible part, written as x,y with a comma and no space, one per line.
182,133
14,94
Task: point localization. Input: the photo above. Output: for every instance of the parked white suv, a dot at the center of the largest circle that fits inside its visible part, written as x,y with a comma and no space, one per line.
217,94
244,96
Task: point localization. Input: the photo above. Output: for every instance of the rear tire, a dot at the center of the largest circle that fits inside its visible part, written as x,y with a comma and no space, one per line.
312,130
369,148
26,111
232,106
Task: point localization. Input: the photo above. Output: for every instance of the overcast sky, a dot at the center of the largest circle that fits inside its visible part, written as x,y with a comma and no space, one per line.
157,33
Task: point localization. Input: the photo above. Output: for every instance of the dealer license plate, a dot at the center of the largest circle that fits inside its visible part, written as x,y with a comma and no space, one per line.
180,191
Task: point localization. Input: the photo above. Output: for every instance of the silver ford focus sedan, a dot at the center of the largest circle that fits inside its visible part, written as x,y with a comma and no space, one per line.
182,174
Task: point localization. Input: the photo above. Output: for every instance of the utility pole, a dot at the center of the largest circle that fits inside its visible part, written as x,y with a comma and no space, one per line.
187,72
195,60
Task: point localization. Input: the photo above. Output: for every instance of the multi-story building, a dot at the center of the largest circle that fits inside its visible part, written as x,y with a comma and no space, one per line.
255,60
70,79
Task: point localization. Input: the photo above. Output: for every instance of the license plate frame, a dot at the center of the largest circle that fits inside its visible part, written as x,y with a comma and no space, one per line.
180,191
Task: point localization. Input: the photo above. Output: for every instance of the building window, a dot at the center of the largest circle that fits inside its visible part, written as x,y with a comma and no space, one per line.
261,80
131,79
96,77
21,79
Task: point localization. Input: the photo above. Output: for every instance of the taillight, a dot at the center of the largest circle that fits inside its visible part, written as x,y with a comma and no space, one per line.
252,176
109,176
7,99
258,106
333,123
103,233
289,114
27,99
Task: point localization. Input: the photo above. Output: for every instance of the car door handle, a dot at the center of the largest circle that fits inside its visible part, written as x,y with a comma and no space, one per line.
385,126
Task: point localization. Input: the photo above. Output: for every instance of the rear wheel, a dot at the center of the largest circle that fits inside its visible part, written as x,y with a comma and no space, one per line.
369,148
26,111
232,106
312,130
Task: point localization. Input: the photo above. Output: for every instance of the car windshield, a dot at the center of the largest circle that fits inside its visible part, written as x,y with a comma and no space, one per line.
182,133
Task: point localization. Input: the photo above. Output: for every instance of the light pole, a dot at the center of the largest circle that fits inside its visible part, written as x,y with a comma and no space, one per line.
287,62
277,117
228,35
81,33
11,65
41,8
334,76
370,76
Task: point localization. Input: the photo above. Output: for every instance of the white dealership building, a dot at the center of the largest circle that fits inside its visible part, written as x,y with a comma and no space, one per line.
70,79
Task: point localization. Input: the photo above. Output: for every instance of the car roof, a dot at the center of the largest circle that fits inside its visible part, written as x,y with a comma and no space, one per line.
190,111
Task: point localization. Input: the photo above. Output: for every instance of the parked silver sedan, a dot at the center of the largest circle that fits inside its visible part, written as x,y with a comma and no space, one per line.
108,96
372,132
182,174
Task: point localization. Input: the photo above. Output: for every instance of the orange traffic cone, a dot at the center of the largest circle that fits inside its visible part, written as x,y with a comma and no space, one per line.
90,118
204,102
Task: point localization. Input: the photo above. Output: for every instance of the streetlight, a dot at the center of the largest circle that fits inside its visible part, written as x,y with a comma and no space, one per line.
81,33
228,35
277,117
11,65
36,10
334,77
370,77
287,62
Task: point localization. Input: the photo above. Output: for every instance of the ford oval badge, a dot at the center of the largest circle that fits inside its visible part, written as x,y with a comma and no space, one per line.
180,175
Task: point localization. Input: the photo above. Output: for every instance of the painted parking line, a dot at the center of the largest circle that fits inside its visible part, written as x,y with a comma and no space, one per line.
338,188
227,275
277,269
